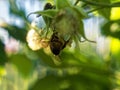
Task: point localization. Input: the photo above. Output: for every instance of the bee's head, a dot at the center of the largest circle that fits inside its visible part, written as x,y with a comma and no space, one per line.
48,6
55,51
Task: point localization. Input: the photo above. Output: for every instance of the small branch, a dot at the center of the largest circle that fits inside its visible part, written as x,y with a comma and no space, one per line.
95,9
101,4
84,5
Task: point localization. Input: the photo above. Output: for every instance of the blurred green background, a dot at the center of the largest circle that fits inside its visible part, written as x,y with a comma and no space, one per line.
91,66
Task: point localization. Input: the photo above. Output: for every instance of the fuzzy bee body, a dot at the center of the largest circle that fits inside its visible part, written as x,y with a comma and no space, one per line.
57,43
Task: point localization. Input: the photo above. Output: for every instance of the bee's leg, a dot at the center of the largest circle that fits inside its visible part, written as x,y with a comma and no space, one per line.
78,36
38,15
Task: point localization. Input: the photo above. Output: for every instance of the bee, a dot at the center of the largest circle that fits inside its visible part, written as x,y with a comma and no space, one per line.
57,43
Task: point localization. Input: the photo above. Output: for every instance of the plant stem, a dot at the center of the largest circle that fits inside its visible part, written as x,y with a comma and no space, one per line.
101,4
95,9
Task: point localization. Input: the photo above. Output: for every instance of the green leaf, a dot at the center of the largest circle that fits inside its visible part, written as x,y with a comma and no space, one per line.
60,4
48,13
47,83
105,12
23,64
3,56
47,59
74,82
111,28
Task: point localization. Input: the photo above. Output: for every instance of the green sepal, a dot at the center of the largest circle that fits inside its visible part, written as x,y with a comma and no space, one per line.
48,13
80,32
60,4
80,12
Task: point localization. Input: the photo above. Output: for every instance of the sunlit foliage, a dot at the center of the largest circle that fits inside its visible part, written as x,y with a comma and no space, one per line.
82,63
